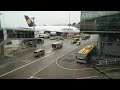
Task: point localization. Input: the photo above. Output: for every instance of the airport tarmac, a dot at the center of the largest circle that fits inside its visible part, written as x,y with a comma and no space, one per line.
55,64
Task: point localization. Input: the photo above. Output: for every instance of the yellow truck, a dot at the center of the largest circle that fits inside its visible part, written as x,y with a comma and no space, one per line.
85,36
74,40
85,54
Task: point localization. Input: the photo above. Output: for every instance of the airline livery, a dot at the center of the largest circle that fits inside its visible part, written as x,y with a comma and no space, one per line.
51,30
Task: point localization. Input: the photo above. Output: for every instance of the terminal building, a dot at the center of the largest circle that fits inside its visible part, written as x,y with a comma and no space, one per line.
16,35
107,25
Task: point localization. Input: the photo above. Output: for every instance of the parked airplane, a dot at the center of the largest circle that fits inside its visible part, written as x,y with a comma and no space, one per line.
51,30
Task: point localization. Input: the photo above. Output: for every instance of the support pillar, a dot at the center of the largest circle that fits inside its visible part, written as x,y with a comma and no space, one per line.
5,37
99,44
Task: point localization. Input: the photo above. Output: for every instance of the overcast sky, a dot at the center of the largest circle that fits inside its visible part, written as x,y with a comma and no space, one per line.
16,18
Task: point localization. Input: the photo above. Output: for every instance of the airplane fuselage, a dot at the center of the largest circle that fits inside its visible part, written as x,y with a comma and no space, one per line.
51,30
56,29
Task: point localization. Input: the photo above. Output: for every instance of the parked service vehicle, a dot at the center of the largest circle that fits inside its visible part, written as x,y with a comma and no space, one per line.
86,36
53,38
39,52
57,45
40,40
44,36
85,54
61,38
32,43
77,36
74,40
78,43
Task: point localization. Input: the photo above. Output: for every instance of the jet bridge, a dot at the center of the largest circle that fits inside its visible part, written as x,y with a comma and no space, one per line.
106,25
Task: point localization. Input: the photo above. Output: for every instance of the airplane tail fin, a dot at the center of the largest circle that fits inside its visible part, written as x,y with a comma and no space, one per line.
29,21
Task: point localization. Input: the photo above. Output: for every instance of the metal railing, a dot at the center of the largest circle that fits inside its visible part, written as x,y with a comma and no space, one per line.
108,61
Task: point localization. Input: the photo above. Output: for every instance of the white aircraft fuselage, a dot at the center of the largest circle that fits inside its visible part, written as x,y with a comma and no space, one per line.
55,29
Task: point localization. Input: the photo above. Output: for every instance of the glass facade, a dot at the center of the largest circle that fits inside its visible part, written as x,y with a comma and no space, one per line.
98,21
20,34
1,36
87,15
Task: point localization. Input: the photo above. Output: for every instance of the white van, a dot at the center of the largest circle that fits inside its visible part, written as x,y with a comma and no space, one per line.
39,52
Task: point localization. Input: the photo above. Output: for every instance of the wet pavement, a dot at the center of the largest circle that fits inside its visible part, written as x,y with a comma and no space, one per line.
67,68
55,64
111,71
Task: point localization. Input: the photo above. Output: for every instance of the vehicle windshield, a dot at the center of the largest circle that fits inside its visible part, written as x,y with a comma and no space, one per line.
53,45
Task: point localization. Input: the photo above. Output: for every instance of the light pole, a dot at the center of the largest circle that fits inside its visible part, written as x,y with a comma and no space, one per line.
80,19
34,29
33,23
33,18
69,22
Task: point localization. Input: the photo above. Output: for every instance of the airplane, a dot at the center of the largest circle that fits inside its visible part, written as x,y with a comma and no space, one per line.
50,30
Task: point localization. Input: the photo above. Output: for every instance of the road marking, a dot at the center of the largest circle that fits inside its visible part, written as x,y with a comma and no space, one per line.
41,69
72,69
34,78
16,60
49,64
110,69
87,77
69,68
24,57
25,65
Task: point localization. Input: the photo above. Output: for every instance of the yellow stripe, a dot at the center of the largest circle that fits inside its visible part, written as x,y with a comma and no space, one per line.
87,49
28,21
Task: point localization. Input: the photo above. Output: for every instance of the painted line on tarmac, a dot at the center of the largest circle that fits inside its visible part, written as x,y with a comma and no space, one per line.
34,78
42,69
69,68
72,69
49,64
27,61
16,60
37,78
87,77
110,69
101,72
25,65
24,57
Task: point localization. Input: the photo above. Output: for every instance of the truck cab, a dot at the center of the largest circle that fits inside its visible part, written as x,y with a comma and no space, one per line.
74,40
57,45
